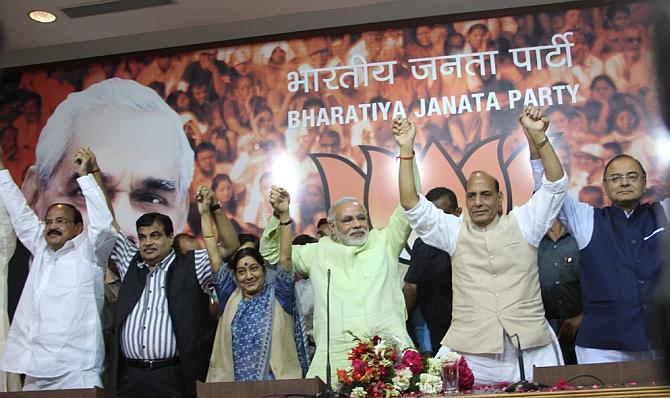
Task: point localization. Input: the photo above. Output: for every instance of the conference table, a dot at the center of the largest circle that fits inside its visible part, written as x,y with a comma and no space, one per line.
625,380
626,392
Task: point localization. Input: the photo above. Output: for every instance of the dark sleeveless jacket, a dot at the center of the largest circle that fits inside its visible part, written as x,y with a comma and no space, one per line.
189,310
620,268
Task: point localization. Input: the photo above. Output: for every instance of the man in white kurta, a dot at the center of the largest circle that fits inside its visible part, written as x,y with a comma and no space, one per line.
56,336
496,289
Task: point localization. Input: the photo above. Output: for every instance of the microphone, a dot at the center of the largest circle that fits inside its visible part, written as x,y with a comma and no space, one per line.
521,385
329,393
328,331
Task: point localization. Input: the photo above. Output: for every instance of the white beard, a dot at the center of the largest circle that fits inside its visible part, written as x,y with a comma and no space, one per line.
350,241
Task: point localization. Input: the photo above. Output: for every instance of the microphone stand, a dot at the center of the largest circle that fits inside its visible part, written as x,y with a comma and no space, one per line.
329,393
522,385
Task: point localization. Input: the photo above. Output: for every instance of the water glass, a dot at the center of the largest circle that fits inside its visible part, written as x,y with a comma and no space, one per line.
450,377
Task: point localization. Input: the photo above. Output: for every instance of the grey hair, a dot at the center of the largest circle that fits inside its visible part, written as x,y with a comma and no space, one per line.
340,201
122,94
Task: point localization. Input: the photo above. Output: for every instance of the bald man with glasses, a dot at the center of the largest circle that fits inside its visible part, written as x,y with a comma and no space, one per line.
621,257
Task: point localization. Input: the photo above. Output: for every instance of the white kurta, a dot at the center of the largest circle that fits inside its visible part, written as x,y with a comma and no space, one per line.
8,381
56,334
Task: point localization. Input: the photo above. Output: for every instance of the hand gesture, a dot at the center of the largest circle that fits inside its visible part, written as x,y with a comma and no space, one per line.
205,198
279,199
404,132
569,329
534,123
85,161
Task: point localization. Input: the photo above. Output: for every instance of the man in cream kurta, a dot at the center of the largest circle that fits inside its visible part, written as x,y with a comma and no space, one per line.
494,261
365,289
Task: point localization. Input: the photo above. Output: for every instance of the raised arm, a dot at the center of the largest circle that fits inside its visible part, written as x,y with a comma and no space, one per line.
432,225
228,241
87,163
24,220
204,198
536,217
302,256
100,230
404,132
280,199
7,239
576,216
534,124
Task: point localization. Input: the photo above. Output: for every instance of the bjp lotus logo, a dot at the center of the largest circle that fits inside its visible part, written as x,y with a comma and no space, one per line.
377,183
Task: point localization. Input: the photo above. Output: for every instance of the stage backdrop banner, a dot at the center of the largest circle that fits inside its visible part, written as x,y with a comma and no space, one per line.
313,114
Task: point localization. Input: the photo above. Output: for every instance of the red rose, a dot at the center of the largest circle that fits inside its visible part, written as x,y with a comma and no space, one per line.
466,379
343,376
358,365
413,360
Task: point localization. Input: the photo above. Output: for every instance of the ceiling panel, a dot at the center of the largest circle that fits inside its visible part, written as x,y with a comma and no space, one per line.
200,21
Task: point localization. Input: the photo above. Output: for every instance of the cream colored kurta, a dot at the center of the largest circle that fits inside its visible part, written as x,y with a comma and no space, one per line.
494,270
365,288
496,289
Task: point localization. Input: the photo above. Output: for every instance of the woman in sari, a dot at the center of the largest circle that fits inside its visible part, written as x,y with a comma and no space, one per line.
261,335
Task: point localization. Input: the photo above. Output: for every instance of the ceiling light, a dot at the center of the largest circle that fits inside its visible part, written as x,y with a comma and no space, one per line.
42,16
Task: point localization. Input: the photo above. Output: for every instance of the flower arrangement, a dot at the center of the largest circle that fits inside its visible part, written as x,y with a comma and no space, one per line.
380,369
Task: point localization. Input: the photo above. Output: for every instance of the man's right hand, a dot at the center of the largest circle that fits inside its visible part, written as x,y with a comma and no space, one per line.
534,124
2,162
404,132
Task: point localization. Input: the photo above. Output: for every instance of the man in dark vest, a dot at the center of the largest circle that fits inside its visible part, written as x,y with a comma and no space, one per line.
163,332
620,248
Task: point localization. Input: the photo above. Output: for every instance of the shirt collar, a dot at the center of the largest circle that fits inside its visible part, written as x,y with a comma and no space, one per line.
489,227
163,264
626,214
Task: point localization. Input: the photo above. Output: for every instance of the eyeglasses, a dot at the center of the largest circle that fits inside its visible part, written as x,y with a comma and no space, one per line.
58,221
619,178
633,40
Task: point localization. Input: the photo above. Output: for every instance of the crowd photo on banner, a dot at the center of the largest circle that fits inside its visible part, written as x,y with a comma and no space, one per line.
252,145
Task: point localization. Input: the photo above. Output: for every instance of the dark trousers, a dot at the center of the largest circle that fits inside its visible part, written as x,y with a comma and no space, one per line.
167,382
567,347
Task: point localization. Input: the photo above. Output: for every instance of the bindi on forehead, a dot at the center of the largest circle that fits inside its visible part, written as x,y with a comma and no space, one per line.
248,262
